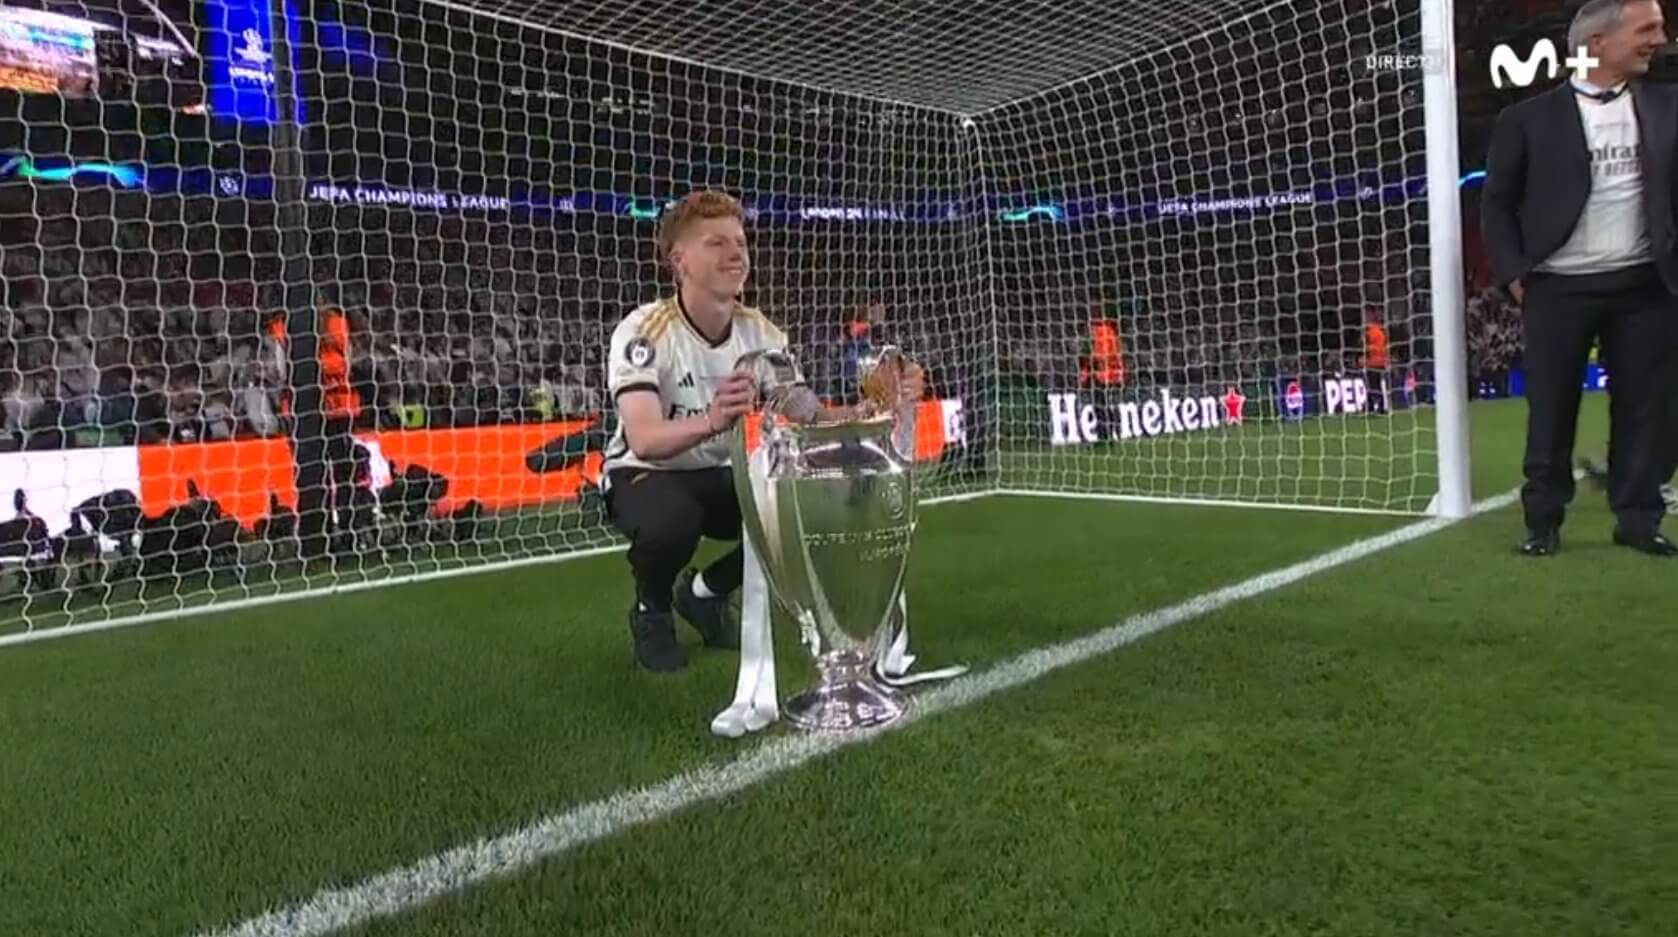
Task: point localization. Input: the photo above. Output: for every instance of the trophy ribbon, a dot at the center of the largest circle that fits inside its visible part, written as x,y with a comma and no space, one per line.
755,703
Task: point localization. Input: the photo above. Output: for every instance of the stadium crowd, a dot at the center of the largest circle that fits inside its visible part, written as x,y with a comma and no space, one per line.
140,319
1494,341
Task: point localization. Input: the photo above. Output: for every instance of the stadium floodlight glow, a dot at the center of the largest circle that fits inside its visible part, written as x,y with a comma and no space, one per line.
1135,246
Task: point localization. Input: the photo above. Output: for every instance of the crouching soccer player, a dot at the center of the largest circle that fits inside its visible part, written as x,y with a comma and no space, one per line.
670,370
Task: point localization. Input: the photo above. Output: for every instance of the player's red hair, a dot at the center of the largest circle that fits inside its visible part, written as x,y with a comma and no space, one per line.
680,218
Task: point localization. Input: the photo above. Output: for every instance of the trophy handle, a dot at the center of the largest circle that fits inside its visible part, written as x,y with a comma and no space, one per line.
879,395
756,501
903,435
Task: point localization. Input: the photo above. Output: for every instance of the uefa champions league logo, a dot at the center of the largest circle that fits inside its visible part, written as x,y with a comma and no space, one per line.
253,51
251,61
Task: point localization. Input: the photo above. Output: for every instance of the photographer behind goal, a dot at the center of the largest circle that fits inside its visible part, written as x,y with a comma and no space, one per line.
671,373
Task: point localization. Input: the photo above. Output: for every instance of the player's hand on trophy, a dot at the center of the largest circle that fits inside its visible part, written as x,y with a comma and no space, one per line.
735,397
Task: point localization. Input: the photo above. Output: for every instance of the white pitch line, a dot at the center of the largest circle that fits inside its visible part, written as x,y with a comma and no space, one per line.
408,887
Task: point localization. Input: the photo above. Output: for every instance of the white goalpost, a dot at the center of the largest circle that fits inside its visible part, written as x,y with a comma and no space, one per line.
313,297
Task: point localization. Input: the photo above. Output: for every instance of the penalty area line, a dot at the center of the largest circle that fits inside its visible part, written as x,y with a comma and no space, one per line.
409,887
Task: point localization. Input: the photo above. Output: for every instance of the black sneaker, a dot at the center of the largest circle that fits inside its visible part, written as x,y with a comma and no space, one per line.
1654,544
1544,542
711,617
655,639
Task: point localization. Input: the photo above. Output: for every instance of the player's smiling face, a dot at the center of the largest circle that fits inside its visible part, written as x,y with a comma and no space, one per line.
713,256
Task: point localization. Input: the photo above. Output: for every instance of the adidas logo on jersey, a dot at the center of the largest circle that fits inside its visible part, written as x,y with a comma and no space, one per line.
686,381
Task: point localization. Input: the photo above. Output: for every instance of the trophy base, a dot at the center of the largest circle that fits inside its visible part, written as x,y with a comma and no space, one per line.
844,706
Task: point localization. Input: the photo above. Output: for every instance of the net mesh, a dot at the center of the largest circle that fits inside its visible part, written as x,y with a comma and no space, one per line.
1220,288
949,55
989,185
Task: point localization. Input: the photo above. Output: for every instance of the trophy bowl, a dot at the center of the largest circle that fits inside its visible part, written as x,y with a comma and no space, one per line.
830,508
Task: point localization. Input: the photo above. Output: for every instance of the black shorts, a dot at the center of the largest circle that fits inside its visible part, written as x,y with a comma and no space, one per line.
673,508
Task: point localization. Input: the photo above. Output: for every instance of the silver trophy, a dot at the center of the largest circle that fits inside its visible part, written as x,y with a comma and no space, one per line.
831,512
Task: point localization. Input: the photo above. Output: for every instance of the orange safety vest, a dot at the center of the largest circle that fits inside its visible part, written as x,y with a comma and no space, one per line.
337,397
1375,352
276,331
1106,361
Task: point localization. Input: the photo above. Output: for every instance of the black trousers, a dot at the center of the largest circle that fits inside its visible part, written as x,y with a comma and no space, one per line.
1375,380
1670,471
324,468
664,514
1636,319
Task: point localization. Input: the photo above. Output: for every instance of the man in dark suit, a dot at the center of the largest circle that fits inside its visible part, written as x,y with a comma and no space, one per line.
1579,222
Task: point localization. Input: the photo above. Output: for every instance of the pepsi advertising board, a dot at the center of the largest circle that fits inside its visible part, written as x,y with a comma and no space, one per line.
1345,395
1299,397
1291,393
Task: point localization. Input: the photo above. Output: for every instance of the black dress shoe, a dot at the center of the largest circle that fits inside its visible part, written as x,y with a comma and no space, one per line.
1541,542
1652,544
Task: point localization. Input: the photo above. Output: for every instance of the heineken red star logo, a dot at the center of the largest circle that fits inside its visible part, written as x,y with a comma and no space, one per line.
1235,403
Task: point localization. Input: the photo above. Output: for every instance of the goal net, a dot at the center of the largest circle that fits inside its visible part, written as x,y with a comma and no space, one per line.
1220,286
335,316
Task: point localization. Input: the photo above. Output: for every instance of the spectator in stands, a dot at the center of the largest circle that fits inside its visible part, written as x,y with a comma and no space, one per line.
1101,370
22,404
857,343
323,450
151,408
1104,366
116,399
575,398
1376,359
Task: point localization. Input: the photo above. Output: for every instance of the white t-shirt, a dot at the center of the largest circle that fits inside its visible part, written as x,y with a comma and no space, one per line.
657,348
1612,232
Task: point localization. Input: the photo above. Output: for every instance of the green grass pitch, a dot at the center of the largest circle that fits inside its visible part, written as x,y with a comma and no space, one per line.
1440,739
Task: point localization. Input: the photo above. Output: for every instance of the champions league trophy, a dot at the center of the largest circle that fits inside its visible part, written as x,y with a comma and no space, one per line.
828,512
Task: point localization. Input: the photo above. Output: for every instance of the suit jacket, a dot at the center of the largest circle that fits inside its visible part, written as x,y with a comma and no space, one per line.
1538,176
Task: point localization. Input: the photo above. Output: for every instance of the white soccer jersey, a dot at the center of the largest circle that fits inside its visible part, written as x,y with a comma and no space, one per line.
1612,232
657,348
